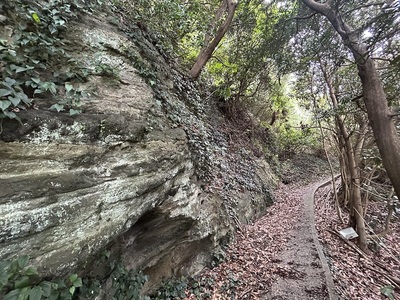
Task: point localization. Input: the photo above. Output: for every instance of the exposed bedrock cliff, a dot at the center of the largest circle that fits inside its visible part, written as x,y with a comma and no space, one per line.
124,174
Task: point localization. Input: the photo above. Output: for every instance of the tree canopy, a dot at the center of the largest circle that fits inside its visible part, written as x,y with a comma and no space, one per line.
301,68
338,60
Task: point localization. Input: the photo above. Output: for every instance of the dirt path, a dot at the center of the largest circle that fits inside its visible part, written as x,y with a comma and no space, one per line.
304,254
274,258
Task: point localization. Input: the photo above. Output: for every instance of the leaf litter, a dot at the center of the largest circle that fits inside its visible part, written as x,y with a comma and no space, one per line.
253,264
370,276
260,256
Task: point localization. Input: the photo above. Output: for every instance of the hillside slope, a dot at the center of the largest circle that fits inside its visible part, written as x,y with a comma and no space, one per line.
148,171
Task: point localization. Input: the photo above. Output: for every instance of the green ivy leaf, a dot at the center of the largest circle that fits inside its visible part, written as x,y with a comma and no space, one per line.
3,278
9,82
65,295
13,67
11,115
54,295
14,100
12,52
31,270
388,291
4,104
36,18
61,284
54,286
36,80
72,290
13,295
49,86
46,288
57,107
13,268
52,29
77,282
107,254
36,293
69,87
23,69
73,277
73,112
22,261
23,97
22,282
4,92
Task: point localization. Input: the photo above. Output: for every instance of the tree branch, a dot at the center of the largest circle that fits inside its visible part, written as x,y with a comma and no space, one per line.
318,7
364,6
302,18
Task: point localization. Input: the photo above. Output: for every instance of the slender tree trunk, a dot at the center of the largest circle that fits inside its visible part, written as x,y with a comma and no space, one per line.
367,184
389,215
335,194
208,50
373,94
212,26
343,173
356,208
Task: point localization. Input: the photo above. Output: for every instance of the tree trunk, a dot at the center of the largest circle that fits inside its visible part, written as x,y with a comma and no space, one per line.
374,97
351,155
212,26
382,124
335,194
208,50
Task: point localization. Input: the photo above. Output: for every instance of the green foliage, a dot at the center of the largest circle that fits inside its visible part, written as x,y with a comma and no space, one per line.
388,291
177,288
11,98
20,281
127,283
291,140
173,289
143,67
106,70
166,21
33,46
244,61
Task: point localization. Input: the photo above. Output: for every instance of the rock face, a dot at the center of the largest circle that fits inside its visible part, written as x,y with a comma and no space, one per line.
120,176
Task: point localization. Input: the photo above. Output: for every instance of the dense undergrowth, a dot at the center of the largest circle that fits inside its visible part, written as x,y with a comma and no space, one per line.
35,57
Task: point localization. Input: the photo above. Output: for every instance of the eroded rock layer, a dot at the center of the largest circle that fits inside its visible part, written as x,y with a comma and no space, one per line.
120,176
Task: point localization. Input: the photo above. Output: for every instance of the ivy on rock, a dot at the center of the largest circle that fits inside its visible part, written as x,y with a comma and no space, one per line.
32,46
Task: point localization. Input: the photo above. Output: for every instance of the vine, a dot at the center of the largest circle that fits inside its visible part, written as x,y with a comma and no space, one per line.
32,43
20,281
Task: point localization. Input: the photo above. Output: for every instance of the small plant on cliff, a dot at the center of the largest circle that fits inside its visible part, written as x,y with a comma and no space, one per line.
172,289
127,283
183,288
20,281
31,44
388,291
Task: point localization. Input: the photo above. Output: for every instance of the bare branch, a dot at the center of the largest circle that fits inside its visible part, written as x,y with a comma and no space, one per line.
363,6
